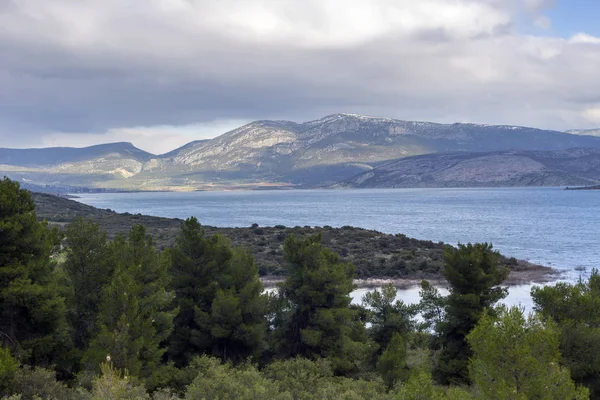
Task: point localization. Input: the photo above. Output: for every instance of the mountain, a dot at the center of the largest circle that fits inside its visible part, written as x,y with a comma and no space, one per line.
336,147
69,167
265,154
585,132
501,168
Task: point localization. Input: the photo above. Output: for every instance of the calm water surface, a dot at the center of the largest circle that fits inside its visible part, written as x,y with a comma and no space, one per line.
547,226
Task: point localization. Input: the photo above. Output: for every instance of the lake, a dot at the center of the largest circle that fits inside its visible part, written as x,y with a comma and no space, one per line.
547,226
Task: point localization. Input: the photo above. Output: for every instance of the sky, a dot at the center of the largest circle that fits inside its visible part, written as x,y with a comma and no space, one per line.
161,73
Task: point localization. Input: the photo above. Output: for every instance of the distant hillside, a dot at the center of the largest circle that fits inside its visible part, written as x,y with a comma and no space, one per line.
504,168
375,254
53,156
271,154
70,168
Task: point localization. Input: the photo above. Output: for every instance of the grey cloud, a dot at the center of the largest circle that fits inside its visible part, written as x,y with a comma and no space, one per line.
160,67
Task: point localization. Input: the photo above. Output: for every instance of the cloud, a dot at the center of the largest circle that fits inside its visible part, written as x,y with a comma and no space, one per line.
592,114
86,71
585,39
153,139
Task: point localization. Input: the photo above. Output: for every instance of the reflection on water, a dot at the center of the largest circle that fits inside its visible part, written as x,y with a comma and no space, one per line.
517,296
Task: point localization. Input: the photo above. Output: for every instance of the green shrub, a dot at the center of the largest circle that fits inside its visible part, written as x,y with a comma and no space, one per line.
217,381
8,369
41,383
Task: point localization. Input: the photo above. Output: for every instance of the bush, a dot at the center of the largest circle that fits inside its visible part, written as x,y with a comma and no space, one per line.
40,383
115,385
221,381
8,369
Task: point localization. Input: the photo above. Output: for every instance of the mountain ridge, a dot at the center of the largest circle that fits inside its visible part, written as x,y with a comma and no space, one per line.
280,153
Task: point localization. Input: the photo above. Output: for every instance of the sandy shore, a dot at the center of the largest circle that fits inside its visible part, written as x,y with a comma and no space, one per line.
531,274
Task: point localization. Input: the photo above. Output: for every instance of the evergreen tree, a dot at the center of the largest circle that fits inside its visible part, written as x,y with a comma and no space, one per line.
391,365
474,274
32,313
431,306
136,314
221,305
518,358
575,308
238,324
387,316
89,267
315,319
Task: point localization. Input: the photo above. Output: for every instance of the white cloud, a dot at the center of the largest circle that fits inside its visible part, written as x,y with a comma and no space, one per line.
592,114
155,139
585,39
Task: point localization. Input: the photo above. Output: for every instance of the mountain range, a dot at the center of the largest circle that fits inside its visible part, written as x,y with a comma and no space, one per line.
321,153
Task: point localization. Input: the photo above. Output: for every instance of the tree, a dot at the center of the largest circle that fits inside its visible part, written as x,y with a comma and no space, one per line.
89,267
391,365
238,324
518,358
575,308
388,316
474,274
32,313
315,319
136,314
431,306
221,305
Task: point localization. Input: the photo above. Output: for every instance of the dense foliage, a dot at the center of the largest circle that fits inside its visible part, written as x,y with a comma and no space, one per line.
85,317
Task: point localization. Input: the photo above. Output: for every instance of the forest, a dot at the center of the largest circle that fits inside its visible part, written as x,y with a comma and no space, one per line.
83,316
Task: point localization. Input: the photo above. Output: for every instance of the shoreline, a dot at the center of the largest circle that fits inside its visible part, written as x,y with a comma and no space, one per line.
361,245
537,274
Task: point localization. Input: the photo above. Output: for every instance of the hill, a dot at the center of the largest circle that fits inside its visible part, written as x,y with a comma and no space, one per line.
376,255
267,154
338,146
71,168
504,168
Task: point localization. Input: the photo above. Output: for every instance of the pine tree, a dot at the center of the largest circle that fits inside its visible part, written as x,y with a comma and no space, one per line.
136,314
32,313
518,358
89,267
391,365
238,324
474,274
315,319
575,308
387,316
221,305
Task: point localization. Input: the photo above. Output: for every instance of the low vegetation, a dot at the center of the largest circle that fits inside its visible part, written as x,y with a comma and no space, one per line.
374,254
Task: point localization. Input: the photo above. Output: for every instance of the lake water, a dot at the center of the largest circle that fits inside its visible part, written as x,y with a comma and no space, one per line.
547,226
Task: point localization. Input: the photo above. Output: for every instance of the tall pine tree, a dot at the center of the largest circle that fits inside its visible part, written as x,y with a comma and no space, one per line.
221,305
315,318
474,274
137,311
32,313
89,268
